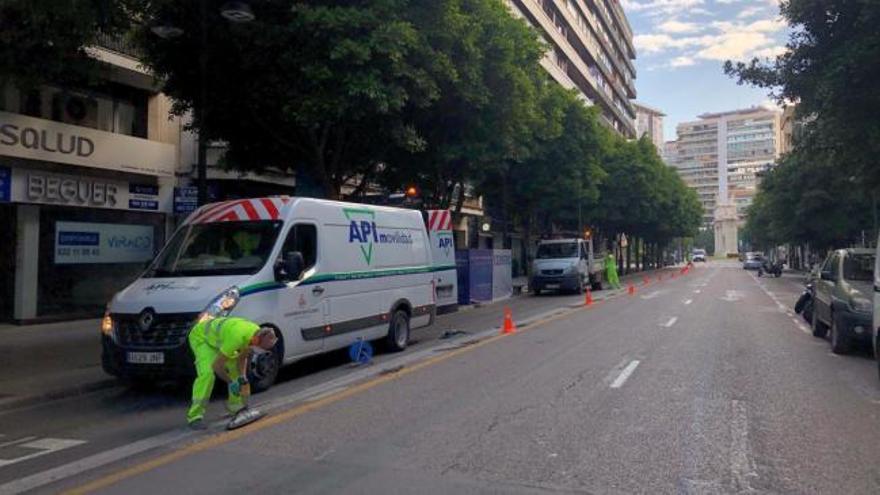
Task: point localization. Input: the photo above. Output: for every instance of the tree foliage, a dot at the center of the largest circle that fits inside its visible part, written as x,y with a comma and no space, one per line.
809,200
46,41
830,71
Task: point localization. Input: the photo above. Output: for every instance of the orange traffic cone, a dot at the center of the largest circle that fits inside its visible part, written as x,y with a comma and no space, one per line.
645,280
631,290
588,299
509,326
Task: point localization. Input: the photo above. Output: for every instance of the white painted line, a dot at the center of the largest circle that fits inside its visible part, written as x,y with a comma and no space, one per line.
624,375
42,446
670,322
88,463
651,295
688,301
328,393
14,442
742,465
697,291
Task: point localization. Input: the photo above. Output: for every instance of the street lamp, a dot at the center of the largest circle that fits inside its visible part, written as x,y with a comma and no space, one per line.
237,12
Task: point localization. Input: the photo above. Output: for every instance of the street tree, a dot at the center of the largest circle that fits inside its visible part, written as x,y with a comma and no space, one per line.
828,70
47,41
314,87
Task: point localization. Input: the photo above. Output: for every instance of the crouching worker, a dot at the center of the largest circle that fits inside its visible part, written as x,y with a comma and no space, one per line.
222,346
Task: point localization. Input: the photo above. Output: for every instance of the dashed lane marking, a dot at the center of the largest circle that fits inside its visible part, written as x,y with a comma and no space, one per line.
671,322
688,301
625,374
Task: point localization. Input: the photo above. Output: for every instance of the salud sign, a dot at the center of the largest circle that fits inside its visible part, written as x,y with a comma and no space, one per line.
45,140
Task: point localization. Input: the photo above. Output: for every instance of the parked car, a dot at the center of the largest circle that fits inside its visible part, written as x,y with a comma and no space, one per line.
753,261
842,301
698,255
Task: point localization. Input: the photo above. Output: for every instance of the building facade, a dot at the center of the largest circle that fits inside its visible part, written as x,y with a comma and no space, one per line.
721,155
649,122
86,187
591,50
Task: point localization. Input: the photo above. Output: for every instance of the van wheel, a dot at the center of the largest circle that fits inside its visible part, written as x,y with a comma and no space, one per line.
398,331
263,368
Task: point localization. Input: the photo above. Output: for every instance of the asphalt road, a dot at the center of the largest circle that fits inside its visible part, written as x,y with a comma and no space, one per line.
702,384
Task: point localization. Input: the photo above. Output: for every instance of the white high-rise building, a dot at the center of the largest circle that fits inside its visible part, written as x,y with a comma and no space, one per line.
649,122
720,156
591,50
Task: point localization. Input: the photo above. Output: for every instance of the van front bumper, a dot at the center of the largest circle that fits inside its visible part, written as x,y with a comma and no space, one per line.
554,282
176,362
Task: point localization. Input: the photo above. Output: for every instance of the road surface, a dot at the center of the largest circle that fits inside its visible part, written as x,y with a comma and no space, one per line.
702,384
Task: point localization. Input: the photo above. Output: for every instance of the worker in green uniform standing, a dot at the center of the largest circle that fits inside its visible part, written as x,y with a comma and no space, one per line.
611,271
222,346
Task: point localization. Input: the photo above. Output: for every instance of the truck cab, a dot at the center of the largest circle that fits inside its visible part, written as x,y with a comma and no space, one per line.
565,265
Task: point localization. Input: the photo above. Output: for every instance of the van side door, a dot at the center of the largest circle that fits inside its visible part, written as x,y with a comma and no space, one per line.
302,305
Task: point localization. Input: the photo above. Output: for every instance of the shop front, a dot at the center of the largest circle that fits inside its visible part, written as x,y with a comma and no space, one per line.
77,229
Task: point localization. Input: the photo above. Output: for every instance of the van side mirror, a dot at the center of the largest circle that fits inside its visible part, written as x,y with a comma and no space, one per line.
290,266
826,275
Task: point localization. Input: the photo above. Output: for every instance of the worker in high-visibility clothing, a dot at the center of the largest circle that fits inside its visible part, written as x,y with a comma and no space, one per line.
611,271
222,346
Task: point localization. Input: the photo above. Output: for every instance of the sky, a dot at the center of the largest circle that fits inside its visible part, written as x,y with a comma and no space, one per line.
681,46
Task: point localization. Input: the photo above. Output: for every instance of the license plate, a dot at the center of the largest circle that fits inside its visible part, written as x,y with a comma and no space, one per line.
145,357
552,286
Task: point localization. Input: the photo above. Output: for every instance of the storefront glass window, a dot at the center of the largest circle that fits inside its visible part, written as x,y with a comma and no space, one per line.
87,255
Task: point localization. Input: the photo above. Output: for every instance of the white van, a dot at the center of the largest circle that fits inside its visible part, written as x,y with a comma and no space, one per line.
324,274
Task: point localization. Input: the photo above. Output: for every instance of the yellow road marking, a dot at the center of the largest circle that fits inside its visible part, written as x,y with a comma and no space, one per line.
297,411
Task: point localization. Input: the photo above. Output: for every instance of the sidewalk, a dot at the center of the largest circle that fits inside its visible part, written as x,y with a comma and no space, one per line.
57,360
50,360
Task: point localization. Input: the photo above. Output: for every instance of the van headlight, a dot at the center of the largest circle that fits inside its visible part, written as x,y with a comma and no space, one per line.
108,326
221,305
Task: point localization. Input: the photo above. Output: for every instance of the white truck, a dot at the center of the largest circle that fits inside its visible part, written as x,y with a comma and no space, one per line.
323,274
566,265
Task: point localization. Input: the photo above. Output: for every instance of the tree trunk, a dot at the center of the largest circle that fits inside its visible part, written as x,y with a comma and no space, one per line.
628,255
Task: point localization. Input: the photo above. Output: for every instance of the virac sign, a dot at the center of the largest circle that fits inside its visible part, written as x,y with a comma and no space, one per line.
44,140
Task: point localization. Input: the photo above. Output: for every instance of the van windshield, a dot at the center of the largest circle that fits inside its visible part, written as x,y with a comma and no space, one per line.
557,250
222,248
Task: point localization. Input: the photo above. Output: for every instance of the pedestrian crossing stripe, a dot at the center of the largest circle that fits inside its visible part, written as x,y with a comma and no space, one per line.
40,446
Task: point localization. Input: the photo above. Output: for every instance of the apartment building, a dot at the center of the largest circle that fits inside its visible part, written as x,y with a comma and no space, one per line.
721,155
649,122
591,50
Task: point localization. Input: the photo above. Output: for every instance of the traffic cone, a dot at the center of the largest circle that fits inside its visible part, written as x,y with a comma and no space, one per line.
588,299
509,326
660,277
631,290
645,280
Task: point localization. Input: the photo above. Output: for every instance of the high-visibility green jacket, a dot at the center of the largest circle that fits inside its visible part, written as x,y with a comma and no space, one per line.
227,335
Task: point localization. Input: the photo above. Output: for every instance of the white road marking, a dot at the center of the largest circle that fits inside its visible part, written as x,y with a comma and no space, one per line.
652,295
328,393
697,291
688,301
670,322
624,375
14,442
742,466
42,446
732,296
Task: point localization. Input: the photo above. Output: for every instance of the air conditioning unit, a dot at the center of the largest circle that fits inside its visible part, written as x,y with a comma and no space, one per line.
75,109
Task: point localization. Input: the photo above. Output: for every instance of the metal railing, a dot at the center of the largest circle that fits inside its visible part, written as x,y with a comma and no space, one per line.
118,44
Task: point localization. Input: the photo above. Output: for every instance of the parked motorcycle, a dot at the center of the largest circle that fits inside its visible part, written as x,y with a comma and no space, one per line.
804,304
770,268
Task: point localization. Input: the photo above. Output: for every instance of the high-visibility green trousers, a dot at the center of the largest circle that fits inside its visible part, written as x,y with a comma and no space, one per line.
205,356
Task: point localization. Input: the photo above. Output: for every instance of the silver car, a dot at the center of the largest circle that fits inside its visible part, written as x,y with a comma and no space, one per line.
753,261
842,302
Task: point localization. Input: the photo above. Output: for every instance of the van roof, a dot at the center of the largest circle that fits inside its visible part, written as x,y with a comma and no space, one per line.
241,210
557,241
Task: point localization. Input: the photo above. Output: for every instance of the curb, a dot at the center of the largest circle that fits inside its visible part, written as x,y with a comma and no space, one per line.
12,403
